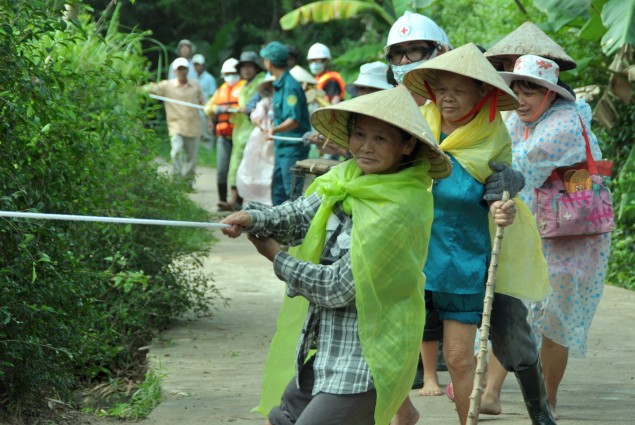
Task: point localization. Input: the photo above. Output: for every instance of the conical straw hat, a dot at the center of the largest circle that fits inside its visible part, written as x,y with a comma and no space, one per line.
267,81
394,106
301,75
468,61
528,39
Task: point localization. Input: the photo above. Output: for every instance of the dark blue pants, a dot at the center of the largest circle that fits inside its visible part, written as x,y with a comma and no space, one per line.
282,182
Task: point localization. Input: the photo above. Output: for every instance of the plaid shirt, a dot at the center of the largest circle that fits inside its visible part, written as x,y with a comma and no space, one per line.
331,322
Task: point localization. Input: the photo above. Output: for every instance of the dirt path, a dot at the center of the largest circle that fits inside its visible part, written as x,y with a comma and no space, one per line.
213,365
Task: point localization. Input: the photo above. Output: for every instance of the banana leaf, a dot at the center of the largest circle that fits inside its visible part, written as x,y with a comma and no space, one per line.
564,12
619,18
594,29
348,64
325,11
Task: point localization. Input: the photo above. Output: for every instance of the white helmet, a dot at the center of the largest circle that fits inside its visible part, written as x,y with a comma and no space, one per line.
415,27
229,66
318,51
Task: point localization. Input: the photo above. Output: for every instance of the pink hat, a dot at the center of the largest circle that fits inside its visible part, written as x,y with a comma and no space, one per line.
538,70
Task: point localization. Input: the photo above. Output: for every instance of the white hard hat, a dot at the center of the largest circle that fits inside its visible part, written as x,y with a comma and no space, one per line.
318,51
415,27
229,66
199,59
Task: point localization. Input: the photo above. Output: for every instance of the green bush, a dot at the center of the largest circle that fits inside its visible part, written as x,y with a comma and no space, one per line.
78,299
617,144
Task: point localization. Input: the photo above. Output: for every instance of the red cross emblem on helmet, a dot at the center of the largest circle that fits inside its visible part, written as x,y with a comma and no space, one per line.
404,31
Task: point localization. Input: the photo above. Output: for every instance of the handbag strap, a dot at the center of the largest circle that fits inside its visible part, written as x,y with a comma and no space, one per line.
593,170
591,167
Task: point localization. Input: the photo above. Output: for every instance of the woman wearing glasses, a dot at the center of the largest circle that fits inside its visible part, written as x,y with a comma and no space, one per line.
412,40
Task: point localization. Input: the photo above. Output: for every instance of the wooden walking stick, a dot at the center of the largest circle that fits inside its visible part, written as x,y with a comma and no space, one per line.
477,388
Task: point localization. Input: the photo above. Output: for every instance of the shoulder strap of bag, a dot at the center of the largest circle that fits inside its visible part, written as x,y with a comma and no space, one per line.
591,166
589,157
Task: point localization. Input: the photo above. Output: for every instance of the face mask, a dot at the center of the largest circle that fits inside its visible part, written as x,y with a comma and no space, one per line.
316,67
400,71
231,79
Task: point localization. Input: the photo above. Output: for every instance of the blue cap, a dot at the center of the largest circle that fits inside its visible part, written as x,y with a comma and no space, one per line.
276,52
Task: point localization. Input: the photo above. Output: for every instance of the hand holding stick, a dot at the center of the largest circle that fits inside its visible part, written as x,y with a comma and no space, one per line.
477,388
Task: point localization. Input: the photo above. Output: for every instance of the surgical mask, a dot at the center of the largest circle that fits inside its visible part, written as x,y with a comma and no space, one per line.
316,67
400,71
231,79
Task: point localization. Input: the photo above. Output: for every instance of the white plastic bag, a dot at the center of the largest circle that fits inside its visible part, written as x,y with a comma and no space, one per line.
255,171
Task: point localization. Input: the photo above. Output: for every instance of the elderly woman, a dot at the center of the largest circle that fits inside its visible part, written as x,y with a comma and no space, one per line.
354,281
547,133
467,94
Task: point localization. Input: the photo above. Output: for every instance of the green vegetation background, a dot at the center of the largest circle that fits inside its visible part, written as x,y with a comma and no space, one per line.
77,136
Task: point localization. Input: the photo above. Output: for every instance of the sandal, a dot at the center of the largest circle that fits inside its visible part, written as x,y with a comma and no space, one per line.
449,391
225,206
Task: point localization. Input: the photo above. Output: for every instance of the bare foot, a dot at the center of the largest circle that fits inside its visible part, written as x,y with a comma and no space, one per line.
406,415
490,405
553,411
430,389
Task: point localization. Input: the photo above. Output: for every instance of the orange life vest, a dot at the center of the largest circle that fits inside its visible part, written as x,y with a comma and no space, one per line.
331,75
227,96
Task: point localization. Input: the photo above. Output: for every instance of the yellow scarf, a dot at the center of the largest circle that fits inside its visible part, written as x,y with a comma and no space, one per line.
392,216
522,268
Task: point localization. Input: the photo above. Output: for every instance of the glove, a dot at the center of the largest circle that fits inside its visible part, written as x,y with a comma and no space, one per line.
438,165
504,179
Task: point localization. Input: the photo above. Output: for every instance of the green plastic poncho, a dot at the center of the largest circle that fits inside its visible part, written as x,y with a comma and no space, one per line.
522,268
392,216
242,127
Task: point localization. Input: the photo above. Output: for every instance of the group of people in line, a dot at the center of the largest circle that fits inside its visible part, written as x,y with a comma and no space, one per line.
263,96
388,252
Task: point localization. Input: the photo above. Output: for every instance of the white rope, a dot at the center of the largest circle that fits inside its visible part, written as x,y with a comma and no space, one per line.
178,102
117,220
289,139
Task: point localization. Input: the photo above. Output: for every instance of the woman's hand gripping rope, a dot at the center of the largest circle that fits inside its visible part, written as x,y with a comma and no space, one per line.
238,221
267,247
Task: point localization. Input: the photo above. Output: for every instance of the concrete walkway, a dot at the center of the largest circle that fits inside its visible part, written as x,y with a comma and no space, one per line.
213,365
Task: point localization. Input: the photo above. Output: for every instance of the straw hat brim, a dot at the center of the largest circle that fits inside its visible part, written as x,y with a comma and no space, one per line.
467,61
301,75
267,81
510,77
528,39
394,106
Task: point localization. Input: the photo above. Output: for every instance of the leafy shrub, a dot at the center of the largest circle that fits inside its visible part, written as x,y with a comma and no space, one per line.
78,299
617,144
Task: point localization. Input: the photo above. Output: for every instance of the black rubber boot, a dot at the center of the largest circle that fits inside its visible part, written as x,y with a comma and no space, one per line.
532,385
222,192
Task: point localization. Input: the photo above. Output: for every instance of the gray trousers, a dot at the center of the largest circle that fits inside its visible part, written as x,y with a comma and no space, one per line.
512,341
299,407
184,153
223,155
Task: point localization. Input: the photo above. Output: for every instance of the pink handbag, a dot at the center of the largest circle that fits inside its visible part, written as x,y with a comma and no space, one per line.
576,201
